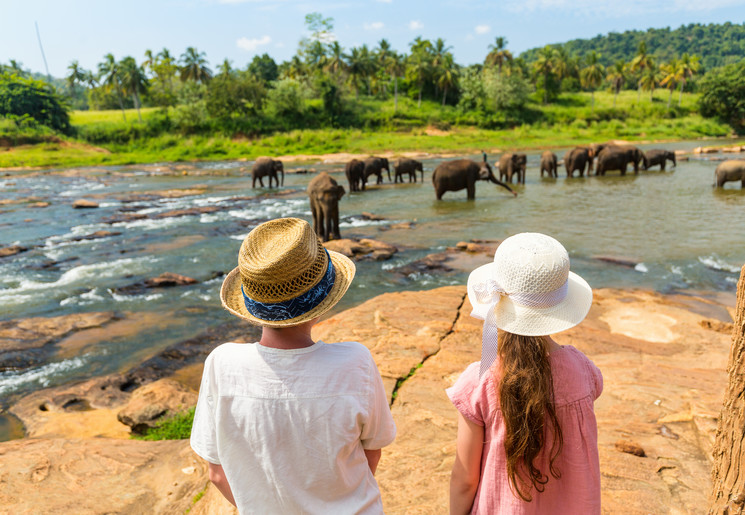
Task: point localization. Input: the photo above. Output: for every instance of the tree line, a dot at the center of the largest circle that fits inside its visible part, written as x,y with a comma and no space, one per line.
323,84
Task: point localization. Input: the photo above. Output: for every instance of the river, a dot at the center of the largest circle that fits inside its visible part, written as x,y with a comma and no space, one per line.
680,233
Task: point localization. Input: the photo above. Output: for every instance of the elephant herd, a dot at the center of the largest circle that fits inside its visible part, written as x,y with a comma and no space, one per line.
459,174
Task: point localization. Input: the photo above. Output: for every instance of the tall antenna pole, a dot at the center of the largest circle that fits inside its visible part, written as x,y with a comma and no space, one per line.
42,52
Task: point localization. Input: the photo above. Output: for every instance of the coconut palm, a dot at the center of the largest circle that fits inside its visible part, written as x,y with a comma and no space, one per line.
382,62
498,54
447,76
335,62
640,63
672,74
133,81
149,62
224,69
650,78
442,59
419,63
16,68
592,75
397,67
356,69
617,76
109,72
76,76
194,66
689,65
545,66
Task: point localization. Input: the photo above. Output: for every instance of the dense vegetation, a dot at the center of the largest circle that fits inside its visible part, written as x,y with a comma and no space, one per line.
717,44
325,88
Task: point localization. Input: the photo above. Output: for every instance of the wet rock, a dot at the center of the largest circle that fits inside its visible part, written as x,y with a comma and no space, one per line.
51,264
364,249
150,403
370,216
84,204
168,279
732,150
718,326
705,150
12,250
96,235
123,217
400,225
186,212
617,260
478,246
39,204
630,447
19,337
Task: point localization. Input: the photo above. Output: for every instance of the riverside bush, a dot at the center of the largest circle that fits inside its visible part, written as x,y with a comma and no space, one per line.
174,427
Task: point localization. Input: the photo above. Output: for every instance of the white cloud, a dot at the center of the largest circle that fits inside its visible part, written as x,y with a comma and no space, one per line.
482,29
251,45
376,25
416,25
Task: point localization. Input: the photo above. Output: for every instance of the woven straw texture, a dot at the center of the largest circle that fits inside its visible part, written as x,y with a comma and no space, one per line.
532,263
278,261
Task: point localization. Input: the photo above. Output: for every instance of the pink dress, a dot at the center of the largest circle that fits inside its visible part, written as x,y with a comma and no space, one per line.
577,383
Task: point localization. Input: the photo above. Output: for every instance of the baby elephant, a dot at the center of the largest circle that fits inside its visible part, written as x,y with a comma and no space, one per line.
408,166
325,194
549,164
732,170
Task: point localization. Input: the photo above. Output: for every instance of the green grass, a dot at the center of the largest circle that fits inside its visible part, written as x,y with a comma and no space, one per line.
569,121
174,427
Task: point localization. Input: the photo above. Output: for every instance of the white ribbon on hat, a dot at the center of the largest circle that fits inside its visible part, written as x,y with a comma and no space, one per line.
490,292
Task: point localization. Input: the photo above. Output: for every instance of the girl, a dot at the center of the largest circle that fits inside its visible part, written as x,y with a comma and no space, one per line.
527,435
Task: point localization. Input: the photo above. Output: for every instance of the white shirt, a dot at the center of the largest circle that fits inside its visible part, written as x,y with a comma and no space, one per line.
289,427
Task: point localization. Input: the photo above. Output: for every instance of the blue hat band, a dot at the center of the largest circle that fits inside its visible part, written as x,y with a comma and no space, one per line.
287,309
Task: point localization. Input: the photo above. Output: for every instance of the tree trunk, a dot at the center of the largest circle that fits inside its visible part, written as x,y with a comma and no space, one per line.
136,100
395,93
615,96
728,472
592,95
669,99
444,96
419,103
680,96
121,101
639,92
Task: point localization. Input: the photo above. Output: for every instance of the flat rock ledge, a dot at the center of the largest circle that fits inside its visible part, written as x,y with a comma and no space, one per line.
664,367
365,248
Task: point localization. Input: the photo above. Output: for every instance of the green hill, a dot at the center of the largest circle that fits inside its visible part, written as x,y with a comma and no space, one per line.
717,44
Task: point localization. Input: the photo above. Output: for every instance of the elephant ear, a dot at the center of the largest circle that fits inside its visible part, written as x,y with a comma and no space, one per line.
340,191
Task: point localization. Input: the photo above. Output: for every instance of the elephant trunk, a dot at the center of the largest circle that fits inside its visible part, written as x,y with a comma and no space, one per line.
672,156
500,183
283,176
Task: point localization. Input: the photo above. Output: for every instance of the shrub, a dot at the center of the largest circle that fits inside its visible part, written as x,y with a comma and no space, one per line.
723,94
174,427
22,98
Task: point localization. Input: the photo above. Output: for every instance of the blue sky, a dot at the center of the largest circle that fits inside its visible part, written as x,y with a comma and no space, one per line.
239,29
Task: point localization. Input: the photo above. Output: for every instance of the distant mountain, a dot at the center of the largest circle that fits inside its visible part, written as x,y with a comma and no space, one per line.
716,44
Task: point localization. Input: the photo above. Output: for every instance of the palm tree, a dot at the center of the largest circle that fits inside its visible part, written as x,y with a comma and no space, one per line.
440,59
149,62
420,63
498,54
650,78
133,80
356,69
77,75
109,72
616,77
382,58
335,62
641,62
592,75
545,66
224,69
672,74
16,68
397,67
689,65
194,66
447,76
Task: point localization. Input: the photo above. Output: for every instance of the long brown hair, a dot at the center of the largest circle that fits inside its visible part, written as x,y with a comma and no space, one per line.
526,395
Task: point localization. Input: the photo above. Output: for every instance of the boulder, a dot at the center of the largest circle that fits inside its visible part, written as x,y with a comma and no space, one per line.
84,204
370,216
362,249
12,250
168,279
96,235
148,404
630,448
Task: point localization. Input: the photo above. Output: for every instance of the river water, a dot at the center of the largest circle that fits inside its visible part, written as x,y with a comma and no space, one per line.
682,235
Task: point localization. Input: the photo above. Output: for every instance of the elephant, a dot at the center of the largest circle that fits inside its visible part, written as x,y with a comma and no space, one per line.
463,174
409,166
266,166
354,170
325,194
511,164
614,158
732,170
375,166
549,164
659,157
577,159
636,156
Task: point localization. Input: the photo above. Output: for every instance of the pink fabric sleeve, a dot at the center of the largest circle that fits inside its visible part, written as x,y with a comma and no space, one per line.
465,395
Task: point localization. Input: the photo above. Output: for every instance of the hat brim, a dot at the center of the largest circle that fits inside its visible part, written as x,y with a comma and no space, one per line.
231,295
530,321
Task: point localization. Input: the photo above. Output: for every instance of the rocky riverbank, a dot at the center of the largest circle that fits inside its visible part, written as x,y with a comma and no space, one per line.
663,360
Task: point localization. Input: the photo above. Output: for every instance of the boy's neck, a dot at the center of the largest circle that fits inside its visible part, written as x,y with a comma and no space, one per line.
295,337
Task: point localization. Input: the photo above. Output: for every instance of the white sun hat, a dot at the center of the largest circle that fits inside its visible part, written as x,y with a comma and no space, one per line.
527,290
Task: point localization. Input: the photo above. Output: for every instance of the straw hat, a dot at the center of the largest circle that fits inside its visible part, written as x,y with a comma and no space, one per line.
529,287
285,276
